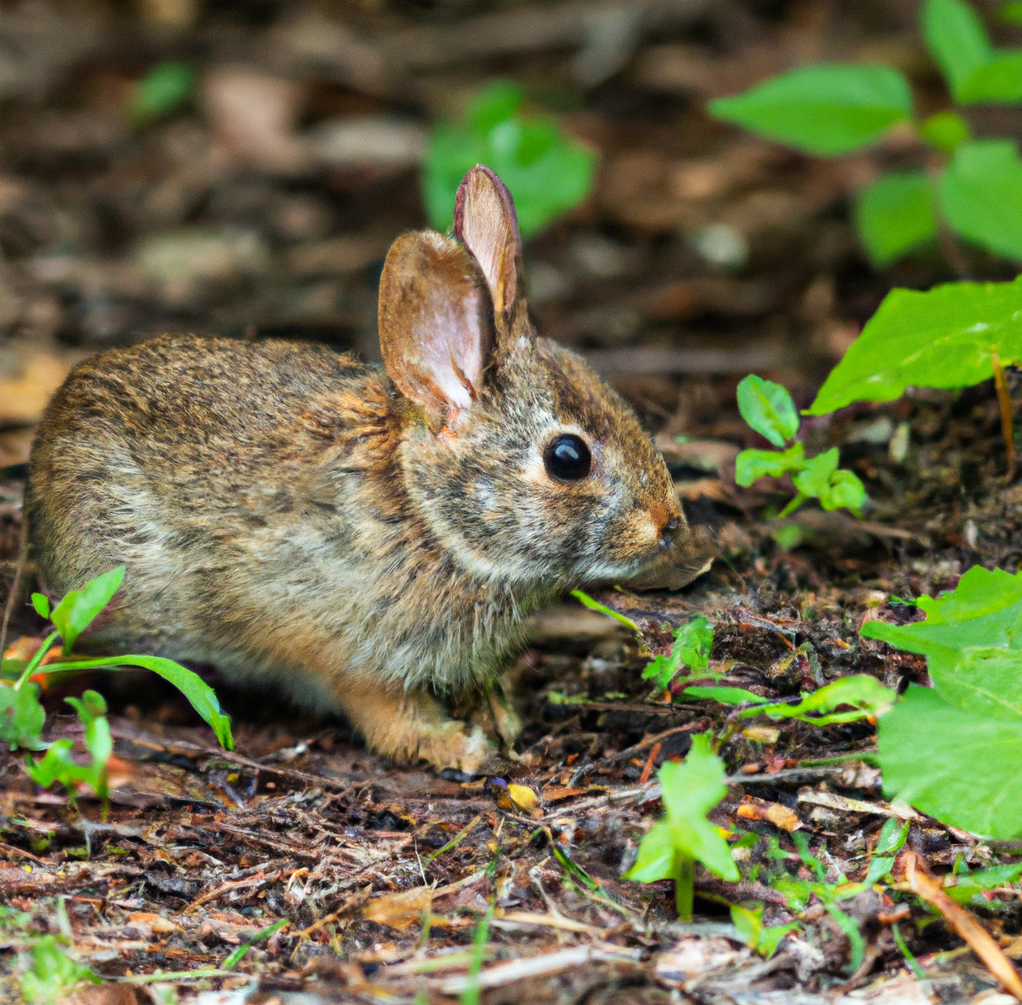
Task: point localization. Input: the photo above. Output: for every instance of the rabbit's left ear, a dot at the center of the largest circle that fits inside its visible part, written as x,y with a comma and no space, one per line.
485,221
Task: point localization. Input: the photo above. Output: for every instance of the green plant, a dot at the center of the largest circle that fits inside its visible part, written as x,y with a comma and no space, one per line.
684,836
22,717
163,89
546,170
50,972
768,409
691,648
765,939
972,641
831,109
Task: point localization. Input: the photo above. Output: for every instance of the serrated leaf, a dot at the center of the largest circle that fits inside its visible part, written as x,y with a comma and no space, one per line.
864,694
914,337
895,214
691,648
826,108
753,464
964,768
767,408
980,195
815,475
957,40
79,608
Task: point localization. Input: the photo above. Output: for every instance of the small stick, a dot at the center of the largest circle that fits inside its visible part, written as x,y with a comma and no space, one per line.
1007,419
648,769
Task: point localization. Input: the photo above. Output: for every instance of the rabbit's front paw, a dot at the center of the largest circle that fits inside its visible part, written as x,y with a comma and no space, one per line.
455,745
496,716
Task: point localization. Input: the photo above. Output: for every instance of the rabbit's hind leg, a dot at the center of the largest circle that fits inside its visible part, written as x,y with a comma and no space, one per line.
410,726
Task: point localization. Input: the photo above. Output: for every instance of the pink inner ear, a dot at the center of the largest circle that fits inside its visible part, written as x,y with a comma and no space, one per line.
434,334
486,222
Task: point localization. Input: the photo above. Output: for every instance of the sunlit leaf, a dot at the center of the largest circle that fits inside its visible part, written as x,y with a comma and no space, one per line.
896,214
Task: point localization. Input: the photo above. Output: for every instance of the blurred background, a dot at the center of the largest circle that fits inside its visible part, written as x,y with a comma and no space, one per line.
241,166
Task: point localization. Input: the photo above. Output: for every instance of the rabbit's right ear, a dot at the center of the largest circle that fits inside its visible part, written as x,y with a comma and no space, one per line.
435,324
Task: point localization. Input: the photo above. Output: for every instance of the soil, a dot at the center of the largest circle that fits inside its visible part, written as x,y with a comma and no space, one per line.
245,213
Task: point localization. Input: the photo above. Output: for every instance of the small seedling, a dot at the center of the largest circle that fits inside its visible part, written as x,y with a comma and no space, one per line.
765,939
831,109
972,641
768,409
22,717
547,171
163,89
684,836
50,973
691,648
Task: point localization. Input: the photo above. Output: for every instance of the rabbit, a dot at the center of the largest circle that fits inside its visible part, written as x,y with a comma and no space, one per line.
366,541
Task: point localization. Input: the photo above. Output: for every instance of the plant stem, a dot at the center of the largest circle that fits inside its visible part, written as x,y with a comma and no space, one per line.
33,663
684,888
792,506
1007,419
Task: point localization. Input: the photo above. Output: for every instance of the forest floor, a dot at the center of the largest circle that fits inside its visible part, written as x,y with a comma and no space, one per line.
216,221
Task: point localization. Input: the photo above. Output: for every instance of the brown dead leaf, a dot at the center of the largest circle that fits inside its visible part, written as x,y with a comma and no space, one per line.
154,922
399,910
759,809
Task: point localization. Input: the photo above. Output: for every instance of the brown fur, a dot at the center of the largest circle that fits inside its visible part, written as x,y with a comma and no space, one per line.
358,538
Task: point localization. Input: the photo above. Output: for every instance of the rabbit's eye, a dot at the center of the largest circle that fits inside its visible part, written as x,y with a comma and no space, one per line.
567,458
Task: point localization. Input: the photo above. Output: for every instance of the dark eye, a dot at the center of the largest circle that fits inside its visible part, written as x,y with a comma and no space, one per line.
567,458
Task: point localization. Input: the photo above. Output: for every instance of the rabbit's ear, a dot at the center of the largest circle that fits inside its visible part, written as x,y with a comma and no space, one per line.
435,324
485,221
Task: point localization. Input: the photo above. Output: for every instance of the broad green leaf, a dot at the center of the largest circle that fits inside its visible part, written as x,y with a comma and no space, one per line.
753,464
59,764
982,681
200,695
1011,12
53,973
826,108
942,338
997,82
691,648
79,608
162,90
547,171
844,490
767,408
815,476
963,768
21,717
655,860
895,215
945,130
957,40
981,195
983,612
970,885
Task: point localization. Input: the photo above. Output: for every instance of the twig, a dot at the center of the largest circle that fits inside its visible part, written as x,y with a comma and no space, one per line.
922,884
1007,419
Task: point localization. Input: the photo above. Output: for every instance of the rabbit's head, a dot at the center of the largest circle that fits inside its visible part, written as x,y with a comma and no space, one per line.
525,465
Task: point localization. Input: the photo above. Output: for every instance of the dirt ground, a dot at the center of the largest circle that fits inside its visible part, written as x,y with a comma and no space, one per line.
264,207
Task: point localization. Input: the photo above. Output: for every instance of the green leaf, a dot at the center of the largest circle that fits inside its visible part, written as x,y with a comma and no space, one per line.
546,170
957,40
60,765
963,768
41,604
725,695
21,717
945,130
815,476
753,464
53,973
1011,12
892,838
970,885
767,408
895,215
981,195
689,791
844,490
163,89
691,648
79,608
763,938
945,338
999,82
865,695
594,605
201,696
983,612
826,108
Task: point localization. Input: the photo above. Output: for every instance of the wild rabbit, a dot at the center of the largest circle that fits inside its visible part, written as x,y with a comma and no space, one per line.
363,540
